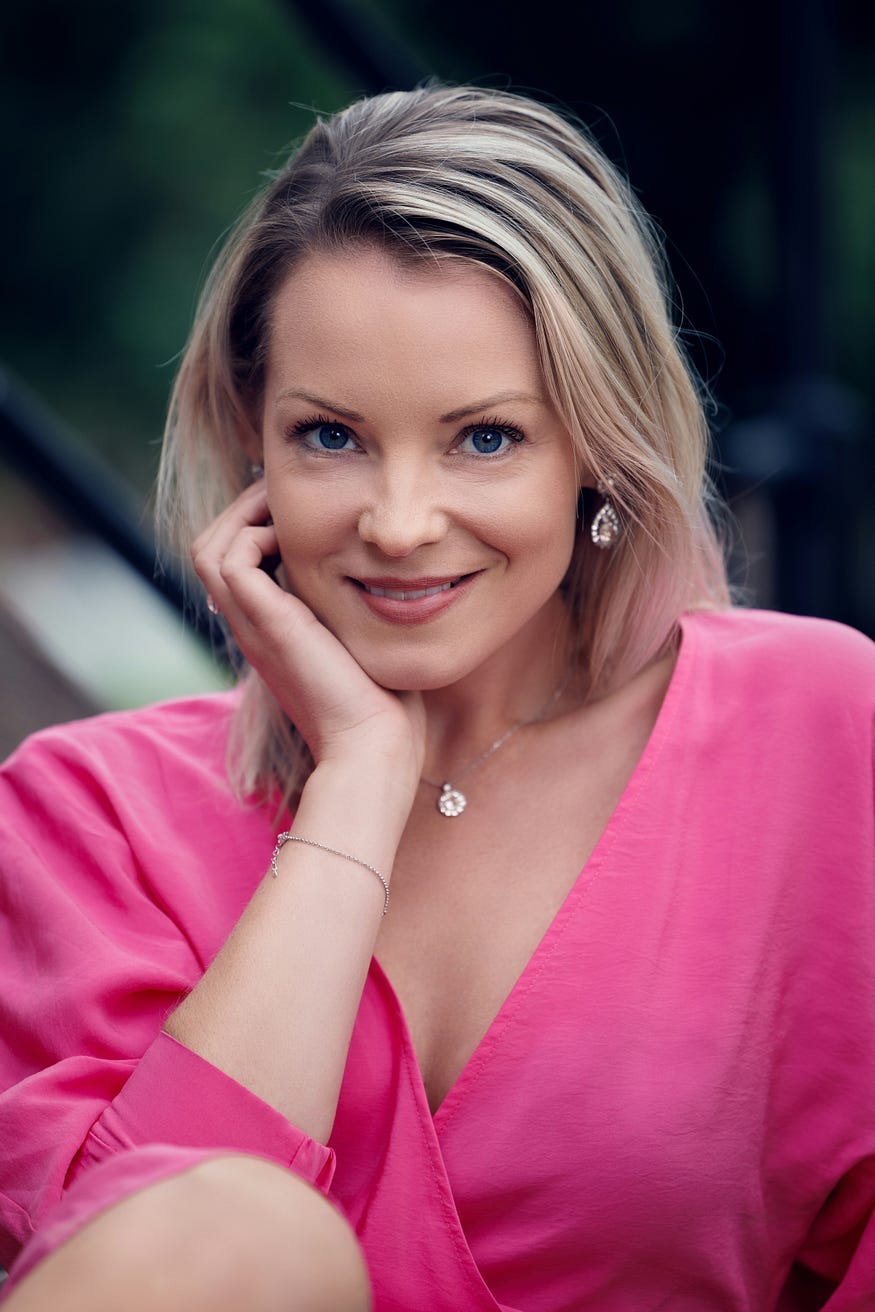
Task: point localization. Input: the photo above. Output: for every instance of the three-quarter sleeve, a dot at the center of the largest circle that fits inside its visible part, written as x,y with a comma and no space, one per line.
694,1110
111,908
174,1111
837,1262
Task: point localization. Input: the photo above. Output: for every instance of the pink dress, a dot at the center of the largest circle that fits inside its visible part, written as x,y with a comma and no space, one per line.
673,1109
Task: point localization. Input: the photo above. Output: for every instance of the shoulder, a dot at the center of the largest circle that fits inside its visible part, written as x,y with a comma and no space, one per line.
131,817
169,738
801,655
100,804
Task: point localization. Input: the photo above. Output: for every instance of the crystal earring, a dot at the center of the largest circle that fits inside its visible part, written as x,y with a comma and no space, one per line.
605,527
257,472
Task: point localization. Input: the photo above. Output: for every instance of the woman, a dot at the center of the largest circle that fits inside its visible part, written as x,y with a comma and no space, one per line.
611,1047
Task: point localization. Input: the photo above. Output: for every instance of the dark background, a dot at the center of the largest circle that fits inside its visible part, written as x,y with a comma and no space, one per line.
135,134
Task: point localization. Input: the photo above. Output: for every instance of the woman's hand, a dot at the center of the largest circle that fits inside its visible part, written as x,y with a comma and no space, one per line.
337,707
276,1007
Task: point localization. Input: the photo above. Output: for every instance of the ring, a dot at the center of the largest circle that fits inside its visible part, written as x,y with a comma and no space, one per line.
211,606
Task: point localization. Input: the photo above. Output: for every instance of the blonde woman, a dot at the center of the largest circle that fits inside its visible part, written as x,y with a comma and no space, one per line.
505,941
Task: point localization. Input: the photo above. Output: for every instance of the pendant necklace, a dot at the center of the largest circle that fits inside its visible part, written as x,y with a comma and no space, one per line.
452,802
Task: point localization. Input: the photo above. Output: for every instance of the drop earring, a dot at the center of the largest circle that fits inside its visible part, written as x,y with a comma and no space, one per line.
605,527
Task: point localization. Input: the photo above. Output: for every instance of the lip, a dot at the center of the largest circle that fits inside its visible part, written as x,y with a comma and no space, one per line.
418,609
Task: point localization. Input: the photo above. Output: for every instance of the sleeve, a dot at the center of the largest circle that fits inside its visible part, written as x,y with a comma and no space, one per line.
835,1267
95,1099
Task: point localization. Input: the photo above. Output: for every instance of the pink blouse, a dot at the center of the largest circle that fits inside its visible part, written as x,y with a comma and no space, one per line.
675,1105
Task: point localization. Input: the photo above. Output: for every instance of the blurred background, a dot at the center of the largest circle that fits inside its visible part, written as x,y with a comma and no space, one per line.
135,134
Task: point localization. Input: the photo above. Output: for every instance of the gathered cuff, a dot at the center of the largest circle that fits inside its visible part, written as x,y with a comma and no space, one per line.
214,1111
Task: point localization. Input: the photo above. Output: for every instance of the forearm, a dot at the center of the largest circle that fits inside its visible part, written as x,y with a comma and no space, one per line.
276,1008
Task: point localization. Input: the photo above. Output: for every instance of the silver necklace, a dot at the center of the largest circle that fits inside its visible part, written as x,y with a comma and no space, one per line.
452,802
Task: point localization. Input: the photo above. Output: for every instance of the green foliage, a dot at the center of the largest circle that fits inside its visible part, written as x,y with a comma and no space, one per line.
135,134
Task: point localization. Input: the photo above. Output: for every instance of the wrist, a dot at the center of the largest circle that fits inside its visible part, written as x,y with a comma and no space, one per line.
387,764
361,796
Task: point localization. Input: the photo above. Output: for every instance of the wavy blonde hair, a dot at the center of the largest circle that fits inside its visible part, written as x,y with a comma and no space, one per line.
504,182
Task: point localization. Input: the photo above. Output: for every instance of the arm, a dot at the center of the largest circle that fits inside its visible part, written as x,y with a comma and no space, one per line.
834,1268
94,959
99,938
276,1008
837,1262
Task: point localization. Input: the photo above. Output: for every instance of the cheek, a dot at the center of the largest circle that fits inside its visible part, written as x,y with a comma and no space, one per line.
540,534
307,526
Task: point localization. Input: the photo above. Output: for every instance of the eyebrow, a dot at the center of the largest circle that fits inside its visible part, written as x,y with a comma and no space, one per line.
451,417
297,394
500,398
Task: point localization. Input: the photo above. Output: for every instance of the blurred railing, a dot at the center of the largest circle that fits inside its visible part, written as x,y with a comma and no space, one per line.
38,447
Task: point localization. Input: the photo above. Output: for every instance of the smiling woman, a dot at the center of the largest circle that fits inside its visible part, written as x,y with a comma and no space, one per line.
595,1033
439,185
415,507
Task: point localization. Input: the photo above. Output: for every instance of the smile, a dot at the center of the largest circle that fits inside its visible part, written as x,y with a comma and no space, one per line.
412,601
409,594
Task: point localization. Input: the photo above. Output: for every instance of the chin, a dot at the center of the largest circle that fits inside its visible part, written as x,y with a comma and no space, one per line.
414,674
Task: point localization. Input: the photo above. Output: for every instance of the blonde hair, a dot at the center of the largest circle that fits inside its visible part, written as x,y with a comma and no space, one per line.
503,182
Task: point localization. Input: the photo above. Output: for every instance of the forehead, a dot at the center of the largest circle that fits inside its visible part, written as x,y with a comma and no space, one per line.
370,317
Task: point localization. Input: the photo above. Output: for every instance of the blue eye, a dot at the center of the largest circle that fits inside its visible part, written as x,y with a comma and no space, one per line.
322,435
489,439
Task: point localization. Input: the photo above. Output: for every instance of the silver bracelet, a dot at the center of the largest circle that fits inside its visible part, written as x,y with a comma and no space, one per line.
311,842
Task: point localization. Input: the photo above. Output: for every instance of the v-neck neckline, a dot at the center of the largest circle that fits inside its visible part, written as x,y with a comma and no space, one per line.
595,863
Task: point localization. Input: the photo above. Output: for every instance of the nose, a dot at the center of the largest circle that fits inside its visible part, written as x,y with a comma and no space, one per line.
402,511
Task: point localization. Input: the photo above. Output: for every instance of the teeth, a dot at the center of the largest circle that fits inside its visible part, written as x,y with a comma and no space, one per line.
397,595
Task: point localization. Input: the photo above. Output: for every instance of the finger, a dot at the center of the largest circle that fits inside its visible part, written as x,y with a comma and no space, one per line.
243,507
211,546
235,581
260,612
239,574
250,507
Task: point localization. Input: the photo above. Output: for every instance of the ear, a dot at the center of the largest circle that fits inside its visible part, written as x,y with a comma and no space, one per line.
587,481
251,443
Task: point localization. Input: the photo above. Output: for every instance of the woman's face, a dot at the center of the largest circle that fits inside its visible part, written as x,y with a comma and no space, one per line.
422,486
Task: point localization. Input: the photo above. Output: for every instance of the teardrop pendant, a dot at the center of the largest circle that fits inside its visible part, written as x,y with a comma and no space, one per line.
605,528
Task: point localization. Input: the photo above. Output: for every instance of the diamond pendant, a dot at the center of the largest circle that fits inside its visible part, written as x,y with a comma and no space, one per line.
605,528
451,802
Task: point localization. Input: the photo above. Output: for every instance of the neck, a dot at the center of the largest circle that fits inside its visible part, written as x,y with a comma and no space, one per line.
516,684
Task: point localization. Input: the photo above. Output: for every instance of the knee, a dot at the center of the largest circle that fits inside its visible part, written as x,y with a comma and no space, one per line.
234,1234
291,1243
